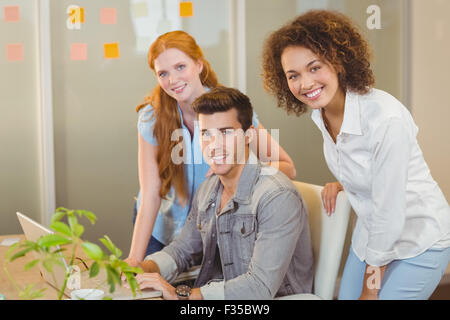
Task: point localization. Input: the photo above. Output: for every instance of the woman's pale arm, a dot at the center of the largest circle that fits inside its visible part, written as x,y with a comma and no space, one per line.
268,150
150,203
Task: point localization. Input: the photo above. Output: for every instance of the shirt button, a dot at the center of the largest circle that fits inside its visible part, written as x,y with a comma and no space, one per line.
213,205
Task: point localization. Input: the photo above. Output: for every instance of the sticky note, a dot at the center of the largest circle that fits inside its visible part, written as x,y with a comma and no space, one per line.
140,9
78,51
112,50
186,9
108,15
76,14
14,52
12,13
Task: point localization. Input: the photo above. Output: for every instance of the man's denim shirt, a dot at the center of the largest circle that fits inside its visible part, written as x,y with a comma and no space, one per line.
262,234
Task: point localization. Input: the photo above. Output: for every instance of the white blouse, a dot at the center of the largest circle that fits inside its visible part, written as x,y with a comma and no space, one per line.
401,210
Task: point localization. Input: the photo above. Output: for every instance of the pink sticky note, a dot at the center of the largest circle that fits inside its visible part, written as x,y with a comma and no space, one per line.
12,13
14,52
78,51
108,15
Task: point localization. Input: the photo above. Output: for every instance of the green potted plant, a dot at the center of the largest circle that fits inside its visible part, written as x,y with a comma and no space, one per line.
69,235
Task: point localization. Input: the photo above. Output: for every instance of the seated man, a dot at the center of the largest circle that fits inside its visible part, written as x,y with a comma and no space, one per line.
248,225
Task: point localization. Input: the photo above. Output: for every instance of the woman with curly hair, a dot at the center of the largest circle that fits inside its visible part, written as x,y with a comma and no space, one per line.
401,242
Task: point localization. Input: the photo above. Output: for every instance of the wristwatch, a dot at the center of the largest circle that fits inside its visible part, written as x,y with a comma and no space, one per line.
183,292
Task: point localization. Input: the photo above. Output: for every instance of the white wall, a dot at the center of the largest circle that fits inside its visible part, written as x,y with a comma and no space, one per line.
430,56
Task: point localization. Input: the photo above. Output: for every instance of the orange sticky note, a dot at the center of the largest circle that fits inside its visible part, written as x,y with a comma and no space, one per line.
108,15
78,51
14,52
186,9
77,15
112,50
12,13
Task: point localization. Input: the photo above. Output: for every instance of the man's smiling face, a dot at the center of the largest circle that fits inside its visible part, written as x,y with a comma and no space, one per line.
223,141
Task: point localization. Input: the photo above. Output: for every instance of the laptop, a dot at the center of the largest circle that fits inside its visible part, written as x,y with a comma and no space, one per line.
33,231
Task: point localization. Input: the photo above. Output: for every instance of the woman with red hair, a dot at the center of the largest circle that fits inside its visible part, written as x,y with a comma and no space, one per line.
170,171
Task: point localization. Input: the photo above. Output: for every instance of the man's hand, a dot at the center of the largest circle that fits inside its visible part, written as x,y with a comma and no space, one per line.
156,282
329,194
149,266
133,263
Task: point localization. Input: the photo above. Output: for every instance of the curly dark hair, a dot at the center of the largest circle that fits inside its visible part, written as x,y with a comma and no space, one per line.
330,35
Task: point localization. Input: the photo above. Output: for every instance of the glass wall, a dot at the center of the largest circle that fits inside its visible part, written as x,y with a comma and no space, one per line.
95,98
100,73
19,121
299,136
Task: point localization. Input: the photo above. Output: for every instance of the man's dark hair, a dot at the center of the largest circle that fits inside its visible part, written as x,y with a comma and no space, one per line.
222,99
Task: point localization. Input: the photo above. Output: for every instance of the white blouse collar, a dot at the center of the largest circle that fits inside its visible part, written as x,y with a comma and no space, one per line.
352,115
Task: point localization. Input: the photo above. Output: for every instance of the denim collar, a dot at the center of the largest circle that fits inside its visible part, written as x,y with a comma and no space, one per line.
244,189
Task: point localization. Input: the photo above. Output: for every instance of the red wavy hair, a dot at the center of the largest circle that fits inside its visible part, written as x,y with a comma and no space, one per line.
166,110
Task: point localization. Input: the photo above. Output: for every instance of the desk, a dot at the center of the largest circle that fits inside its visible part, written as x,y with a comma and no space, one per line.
16,269
33,276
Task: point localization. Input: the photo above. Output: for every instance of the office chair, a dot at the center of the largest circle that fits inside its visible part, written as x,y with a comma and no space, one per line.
328,236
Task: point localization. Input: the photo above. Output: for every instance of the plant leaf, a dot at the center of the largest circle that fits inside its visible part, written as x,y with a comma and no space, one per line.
59,250
92,250
30,265
88,214
110,280
61,228
78,230
29,294
20,254
111,246
73,222
133,283
52,240
113,278
95,269
132,270
115,274
11,250
57,216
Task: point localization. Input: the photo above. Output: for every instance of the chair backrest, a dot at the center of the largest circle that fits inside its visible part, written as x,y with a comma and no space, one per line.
328,236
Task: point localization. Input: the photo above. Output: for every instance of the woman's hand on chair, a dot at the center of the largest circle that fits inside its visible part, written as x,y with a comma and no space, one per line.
329,195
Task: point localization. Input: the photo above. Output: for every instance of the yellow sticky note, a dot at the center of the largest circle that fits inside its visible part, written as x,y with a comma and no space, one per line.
186,9
112,50
77,15
12,13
